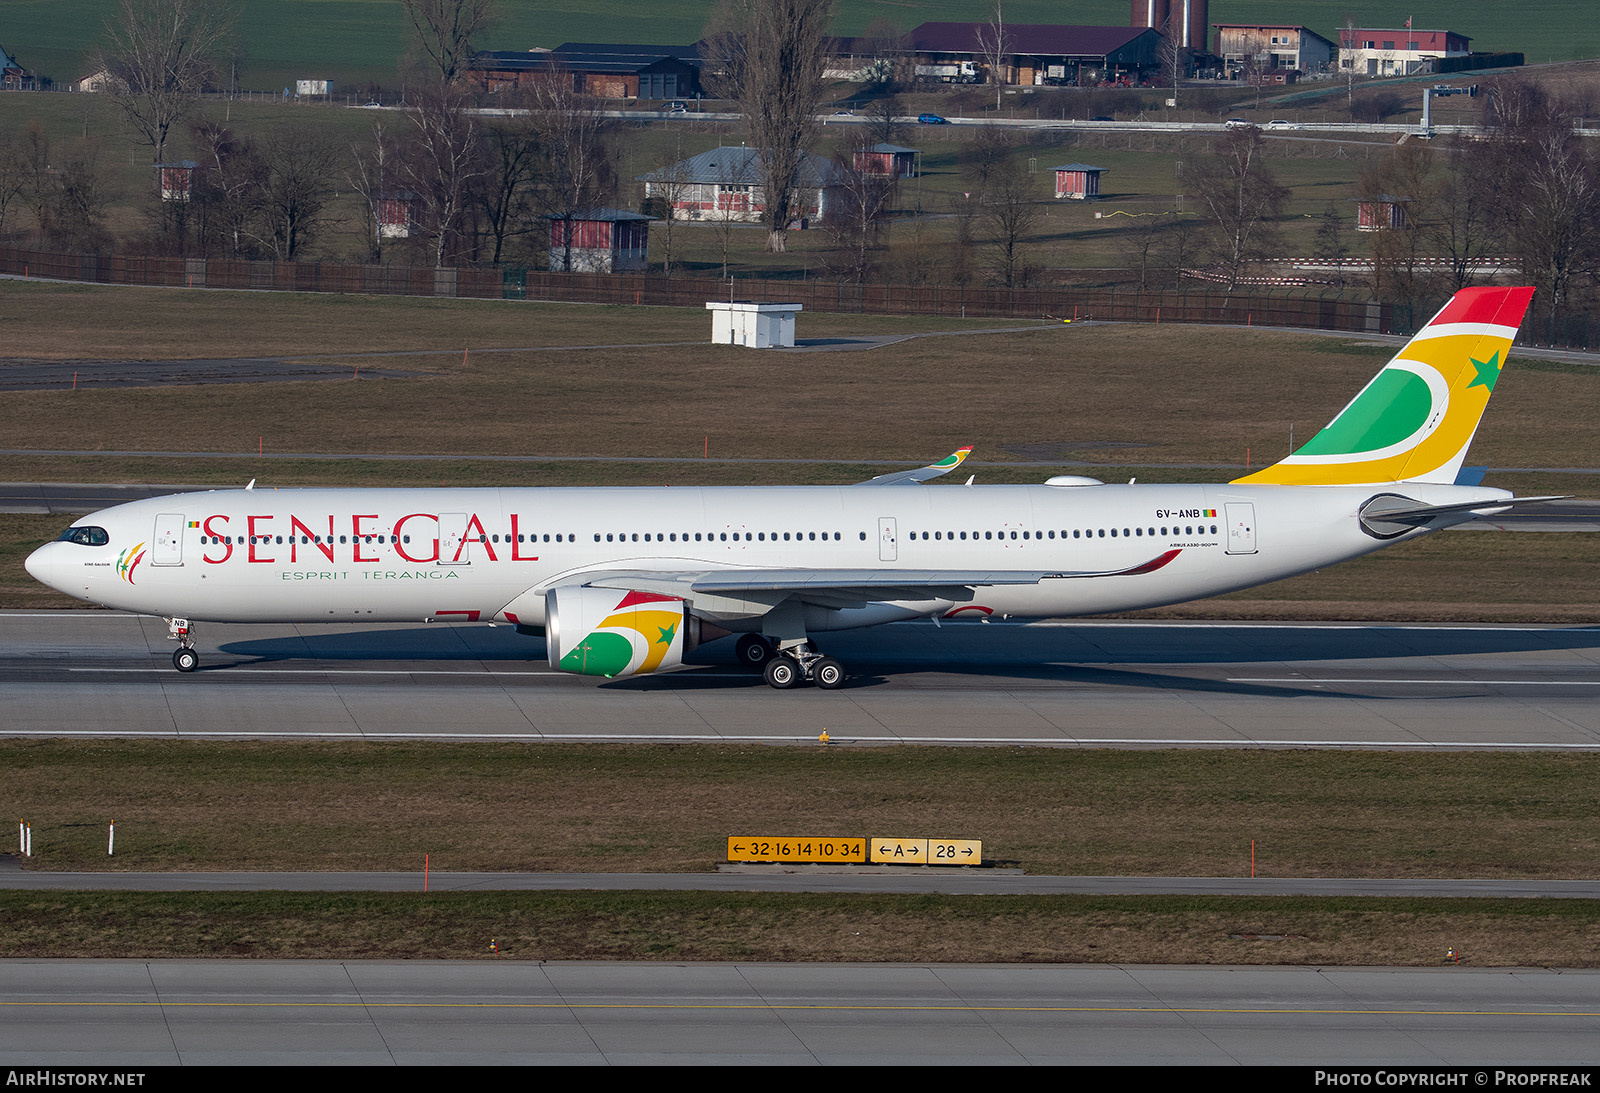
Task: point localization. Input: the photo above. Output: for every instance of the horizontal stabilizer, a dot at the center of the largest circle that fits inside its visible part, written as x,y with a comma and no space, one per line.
1389,515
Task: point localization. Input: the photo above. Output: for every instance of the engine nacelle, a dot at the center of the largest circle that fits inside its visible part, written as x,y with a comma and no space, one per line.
616,632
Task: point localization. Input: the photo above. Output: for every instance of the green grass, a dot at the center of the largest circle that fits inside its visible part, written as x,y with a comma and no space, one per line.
357,41
742,926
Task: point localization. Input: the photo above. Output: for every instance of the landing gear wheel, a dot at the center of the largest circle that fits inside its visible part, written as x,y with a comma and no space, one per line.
753,651
782,673
828,673
185,659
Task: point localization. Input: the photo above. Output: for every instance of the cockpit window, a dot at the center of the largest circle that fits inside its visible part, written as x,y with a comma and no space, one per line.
86,536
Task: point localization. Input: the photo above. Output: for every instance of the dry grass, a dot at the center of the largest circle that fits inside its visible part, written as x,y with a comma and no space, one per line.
183,805
751,927
1113,394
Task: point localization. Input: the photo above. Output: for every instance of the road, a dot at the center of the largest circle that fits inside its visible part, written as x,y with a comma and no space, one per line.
1061,684
133,1014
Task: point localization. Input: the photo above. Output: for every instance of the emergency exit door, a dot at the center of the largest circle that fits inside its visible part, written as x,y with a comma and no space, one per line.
1241,517
168,539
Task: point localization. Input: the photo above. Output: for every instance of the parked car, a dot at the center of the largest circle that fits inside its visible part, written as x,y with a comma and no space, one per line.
677,106
1279,123
1238,123
931,119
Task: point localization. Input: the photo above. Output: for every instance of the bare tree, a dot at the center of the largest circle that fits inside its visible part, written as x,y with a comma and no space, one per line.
882,119
1170,54
668,184
1404,177
512,152
1011,210
374,171
1466,225
986,156
296,183
13,177
160,54
442,160
442,31
995,46
1239,197
770,56
226,192
1548,190
575,136
857,212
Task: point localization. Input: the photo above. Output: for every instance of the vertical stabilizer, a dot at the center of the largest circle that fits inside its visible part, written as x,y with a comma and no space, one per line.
1416,419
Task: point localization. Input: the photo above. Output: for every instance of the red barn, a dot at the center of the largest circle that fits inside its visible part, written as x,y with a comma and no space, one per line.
599,241
887,161
1376,214
399,213
175,181
1079,181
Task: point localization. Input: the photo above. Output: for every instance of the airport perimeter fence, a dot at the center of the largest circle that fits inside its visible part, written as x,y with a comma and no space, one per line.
1347,312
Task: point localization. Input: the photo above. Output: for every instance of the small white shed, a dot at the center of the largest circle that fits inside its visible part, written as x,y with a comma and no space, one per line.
759,326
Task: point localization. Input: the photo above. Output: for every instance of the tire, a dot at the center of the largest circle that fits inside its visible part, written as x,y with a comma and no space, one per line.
753,651
782,673
185,660
828,673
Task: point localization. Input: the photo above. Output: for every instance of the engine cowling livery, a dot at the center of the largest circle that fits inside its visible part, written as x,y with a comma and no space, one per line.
616,632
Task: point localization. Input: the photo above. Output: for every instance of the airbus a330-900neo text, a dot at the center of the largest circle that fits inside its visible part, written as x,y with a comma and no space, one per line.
624,581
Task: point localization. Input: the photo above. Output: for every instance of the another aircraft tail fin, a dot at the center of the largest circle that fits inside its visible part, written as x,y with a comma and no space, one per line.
1415,420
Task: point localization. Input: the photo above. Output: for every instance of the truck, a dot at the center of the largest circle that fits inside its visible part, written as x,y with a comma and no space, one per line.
959,72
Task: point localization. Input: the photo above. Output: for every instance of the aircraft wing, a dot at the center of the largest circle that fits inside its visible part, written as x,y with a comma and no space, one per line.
921,474
831,587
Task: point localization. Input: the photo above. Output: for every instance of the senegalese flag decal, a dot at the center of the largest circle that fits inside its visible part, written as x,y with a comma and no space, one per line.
129,560
1209,512
194,523
1415,420
634,639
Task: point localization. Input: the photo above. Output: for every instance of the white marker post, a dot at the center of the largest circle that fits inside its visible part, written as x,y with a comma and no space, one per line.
111,840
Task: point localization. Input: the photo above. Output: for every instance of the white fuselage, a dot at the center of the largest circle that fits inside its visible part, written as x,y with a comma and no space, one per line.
490,554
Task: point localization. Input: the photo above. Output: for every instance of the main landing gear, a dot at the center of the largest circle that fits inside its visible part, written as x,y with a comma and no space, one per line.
791,666
184,658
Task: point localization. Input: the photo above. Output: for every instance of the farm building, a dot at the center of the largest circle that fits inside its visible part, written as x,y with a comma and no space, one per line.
175,181
1039,53
13,77
1272,48
599,241
1078,181
725,184
399,212
887,161
1403,52
1376,214
603,70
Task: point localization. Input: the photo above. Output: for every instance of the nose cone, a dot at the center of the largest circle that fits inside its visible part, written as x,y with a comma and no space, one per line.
46,566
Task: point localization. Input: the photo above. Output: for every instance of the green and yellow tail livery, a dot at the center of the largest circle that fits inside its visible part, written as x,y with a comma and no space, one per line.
1416,419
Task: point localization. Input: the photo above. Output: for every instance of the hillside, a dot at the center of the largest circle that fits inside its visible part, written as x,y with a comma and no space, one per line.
357,42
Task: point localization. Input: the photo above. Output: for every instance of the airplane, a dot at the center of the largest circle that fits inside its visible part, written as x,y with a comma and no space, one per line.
624,581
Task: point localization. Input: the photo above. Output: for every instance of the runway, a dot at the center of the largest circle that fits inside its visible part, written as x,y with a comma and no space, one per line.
1059,684
133,1014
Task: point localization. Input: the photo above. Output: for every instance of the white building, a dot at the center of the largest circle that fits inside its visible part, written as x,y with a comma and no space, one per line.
1402,52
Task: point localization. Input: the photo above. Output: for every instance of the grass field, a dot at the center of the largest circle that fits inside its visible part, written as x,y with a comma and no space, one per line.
742,926
361,41
208,805
1087,403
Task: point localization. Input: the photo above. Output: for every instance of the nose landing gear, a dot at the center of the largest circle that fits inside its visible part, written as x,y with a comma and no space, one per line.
184,658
